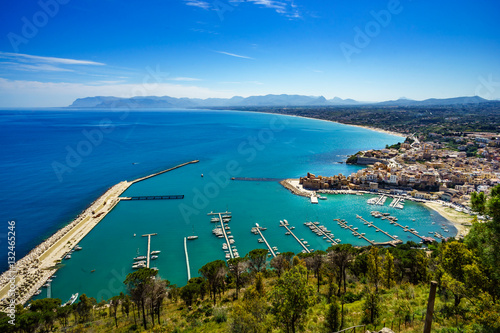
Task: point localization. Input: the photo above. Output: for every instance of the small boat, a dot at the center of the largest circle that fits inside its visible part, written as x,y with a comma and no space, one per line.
154,257
201,175
134,235
155,252
192,237
38,292
322,198
228,256
137,266
68,256
287,233
261,240
72,300
92,271
140,258
78,248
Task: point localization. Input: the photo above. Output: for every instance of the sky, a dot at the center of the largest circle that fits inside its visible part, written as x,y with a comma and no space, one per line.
54,51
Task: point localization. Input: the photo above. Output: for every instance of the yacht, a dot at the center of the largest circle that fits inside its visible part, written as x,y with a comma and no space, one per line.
78,248
140,258
155,252
72,300
154,257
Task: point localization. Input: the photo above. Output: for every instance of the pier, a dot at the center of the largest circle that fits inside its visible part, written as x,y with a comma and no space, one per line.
405,228
370,224
224,231
187,258
314,228
34,269
257,227
154,197
149,247
284,223
396,203
344,224
164,171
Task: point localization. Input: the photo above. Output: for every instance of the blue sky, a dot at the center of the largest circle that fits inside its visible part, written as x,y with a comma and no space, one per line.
54,51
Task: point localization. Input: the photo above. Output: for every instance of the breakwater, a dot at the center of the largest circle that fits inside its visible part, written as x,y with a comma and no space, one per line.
32,271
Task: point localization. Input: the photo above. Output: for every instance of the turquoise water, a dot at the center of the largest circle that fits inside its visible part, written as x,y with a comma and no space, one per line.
228,144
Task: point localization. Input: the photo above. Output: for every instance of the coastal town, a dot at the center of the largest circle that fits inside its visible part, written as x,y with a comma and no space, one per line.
423,170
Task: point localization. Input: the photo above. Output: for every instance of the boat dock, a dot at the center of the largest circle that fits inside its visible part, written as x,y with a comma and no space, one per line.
187,258
221,220
258,227
284,223
149,248
394,238
344,225
397,203
406,229
319,230
314,199
154,197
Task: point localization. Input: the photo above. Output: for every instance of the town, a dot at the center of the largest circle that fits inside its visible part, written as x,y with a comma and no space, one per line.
430,170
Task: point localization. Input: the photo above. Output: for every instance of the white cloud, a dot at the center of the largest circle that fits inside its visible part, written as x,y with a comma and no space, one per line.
284,7
37,59
234,55
197,3
32,67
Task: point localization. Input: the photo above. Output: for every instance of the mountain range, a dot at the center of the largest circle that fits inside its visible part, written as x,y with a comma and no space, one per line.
267,100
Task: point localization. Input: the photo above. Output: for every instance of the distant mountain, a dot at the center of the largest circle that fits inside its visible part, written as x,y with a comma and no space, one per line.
435,101
238,101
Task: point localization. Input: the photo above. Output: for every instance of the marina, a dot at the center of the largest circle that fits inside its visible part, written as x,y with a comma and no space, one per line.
370,224
285,224
232,252
148,256
258,228
355,233
321,230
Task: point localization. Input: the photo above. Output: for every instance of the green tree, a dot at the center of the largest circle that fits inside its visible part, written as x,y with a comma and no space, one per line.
84,307
257,260
291,297
114,302
478,202
215,273
237,267
374,267
47,307
389,274
371,307
332,318
137,284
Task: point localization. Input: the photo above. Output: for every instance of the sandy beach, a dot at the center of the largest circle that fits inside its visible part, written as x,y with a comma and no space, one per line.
461,221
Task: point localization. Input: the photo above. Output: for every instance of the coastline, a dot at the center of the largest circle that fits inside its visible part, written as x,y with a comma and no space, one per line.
375,129
460,220
32,271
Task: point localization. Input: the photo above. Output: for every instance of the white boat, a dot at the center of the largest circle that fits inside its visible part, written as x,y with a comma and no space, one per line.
78,248
137,266
72,300
68,256
322,198
192,237
154,257
228,256
38,292
155,252
140,258
261,240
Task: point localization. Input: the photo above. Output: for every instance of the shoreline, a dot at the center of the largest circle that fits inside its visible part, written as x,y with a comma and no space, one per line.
461,221
33,270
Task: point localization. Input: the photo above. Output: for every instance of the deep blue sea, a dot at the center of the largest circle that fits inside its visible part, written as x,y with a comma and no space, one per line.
55,162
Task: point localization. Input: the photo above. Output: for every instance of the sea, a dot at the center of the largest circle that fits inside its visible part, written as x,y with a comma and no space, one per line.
56,162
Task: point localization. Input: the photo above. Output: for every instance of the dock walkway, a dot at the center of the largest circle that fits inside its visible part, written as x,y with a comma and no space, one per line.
257,227
314,228
187,258
284,223
224,232
395,239
354,232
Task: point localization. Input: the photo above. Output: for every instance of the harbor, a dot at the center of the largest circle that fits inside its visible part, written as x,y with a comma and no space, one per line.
257,229
223,231
322,231
302,243
343,224
36,268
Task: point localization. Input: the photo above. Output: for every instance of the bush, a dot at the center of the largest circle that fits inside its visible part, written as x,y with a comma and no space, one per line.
351,297
220,315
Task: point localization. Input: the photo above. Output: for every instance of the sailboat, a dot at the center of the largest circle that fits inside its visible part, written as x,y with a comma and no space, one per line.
192,237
